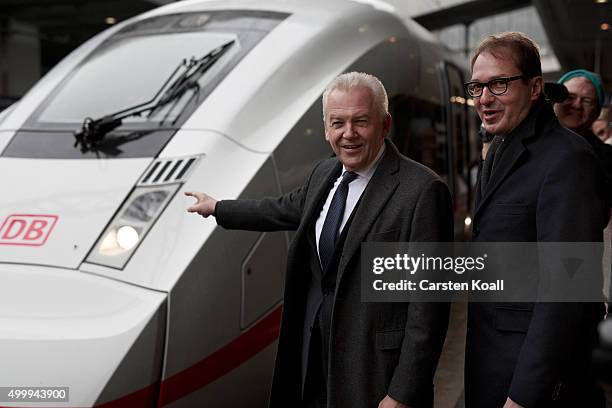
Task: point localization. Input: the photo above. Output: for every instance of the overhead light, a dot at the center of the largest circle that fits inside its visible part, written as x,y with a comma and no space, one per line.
605,26
110,20
601,1
458,99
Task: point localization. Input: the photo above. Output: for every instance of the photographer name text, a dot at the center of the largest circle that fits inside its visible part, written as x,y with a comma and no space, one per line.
449,286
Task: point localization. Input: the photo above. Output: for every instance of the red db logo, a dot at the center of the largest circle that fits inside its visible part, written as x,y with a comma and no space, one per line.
26,229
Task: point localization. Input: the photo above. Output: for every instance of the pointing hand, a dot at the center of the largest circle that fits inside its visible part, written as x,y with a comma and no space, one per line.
205,204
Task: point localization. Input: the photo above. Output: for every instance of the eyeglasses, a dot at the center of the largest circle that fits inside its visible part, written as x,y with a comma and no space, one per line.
497,86
587,102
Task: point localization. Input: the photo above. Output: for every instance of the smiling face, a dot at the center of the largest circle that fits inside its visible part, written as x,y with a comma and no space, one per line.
579,110
500,114
354,127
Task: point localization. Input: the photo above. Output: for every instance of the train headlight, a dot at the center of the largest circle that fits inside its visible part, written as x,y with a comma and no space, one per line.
127,237
130,225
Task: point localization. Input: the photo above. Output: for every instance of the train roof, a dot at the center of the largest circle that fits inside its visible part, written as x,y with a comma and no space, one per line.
317,10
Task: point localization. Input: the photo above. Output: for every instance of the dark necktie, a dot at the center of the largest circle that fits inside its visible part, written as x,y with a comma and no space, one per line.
487,166
329,233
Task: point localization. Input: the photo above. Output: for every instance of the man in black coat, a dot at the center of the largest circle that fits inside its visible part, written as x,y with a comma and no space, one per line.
334,350
537,183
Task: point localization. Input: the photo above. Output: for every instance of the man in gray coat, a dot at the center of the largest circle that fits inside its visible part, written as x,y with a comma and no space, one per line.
334,350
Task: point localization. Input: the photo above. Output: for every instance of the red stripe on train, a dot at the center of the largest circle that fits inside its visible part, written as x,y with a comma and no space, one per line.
223,360
207,370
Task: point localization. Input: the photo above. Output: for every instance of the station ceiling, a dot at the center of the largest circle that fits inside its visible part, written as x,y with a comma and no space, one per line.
573,27
65,24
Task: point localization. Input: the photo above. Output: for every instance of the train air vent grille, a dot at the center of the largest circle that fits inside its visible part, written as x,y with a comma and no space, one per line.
164,171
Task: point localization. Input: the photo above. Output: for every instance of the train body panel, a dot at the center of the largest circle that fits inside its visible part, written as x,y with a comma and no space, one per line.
6,135
243,120
53,210
43,224
224,169
74,330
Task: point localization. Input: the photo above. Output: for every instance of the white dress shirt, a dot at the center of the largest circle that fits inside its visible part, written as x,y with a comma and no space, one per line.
356,188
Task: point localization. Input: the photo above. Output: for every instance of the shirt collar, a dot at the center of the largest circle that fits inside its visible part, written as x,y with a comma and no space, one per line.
528,125
369,171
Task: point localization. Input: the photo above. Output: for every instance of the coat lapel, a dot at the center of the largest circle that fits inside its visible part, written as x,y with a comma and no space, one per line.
514,150
512,153
377,193
477,196
322,188
312,207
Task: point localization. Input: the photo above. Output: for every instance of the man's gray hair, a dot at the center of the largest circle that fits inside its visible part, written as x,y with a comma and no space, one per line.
352,80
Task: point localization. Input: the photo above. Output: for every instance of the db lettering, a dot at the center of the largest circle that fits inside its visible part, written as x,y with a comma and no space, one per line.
26,229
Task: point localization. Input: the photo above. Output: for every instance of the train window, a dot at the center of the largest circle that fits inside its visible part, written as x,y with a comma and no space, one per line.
303,147
419,128
419,132
119,76
430,86
131,68
458,131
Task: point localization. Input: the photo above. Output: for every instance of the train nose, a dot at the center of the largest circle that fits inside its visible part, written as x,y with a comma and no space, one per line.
100,338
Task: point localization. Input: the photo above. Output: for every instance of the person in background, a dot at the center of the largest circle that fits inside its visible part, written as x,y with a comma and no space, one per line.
579,112
584,102
582,108
602,127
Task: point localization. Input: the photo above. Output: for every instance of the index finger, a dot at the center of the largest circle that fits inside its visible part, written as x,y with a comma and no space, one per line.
194,194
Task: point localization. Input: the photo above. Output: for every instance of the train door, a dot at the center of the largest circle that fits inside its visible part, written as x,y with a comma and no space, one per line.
459,180
419,123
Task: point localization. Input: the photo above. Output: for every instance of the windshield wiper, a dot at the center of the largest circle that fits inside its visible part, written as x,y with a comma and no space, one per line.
94,130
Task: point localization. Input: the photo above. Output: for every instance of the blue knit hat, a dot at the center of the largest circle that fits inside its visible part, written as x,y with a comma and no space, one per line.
591,76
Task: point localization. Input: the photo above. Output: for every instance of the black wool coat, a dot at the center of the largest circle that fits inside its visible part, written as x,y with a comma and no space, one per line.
545,188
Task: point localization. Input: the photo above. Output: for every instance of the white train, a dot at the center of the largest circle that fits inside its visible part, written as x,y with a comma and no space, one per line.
107,285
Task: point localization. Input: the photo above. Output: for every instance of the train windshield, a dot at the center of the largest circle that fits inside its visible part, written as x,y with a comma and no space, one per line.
129,73
153,74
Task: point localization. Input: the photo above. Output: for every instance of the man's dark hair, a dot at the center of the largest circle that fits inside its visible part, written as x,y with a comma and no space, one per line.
520,48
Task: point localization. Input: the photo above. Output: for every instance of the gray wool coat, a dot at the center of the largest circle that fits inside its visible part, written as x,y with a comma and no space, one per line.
375,348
